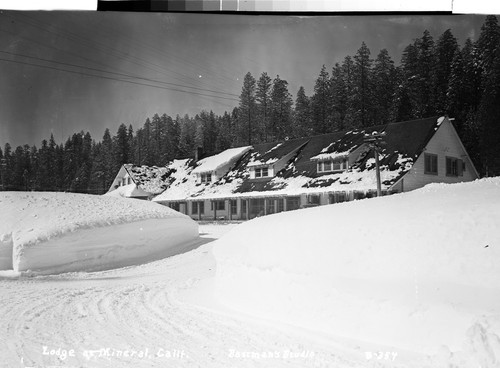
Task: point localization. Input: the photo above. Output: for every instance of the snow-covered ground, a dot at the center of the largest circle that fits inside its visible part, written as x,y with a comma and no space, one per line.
61,232
158,314
418,272
408,280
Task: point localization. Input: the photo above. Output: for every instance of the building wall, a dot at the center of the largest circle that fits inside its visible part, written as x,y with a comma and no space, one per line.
444,143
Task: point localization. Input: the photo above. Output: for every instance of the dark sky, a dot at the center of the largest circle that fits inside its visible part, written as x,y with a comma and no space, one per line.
207,52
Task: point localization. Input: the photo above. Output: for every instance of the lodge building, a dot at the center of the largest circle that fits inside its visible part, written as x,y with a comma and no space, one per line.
246,182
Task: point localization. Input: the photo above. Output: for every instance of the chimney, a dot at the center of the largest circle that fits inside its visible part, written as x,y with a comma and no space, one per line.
198,153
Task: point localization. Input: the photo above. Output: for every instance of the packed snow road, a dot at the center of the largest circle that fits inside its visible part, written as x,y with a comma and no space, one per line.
146,316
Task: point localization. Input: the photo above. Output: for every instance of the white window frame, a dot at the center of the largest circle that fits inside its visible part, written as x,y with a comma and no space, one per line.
206,177
343,165
259,172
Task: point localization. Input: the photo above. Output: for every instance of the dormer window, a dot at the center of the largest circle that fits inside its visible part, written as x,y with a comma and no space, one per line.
261,172
332,165
206,177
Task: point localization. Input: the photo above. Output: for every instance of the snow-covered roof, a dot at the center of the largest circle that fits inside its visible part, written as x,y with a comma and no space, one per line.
405,141
215,162
151,179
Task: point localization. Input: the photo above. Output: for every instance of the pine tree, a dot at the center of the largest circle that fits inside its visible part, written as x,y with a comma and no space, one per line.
121,148
156,139
362,101
338,92
384,86
263,106
487,43
107,152
247,111
225,135
131,143
43,178
97,182
302,122
54,171
321,103
488,52
281,110
187,142
210,132
446,49
426,61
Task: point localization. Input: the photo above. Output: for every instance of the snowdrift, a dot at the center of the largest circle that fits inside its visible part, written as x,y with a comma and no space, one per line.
62,232
418,271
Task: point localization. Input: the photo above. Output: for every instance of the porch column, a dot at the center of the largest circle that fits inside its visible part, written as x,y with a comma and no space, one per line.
266,201
284,203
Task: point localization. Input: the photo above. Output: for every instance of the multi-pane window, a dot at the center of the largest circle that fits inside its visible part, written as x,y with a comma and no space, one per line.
431,164
197,208
454,166
234,206
270,206
206,177
261,172
280,205
313,199
218,205
329,166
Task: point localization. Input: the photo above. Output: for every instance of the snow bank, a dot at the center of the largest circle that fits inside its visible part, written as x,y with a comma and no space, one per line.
129,190
212,163
61,232
418,271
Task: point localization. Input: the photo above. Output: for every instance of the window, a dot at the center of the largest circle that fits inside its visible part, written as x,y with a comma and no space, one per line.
313,199
454,166
175,206
197,208
206,178
329,166
270,206
219,205
256,207
431,164
234,207
280,205
261,172
292,203
338,197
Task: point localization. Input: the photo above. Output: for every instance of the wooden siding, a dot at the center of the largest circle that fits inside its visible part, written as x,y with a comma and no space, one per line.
444,143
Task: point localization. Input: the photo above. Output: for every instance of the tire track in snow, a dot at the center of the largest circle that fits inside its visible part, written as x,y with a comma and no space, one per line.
138,308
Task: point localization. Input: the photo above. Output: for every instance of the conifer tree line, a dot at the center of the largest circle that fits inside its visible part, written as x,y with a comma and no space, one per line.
435,77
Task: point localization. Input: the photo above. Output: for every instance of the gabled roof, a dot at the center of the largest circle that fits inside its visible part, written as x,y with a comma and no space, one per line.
151,179
405,141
